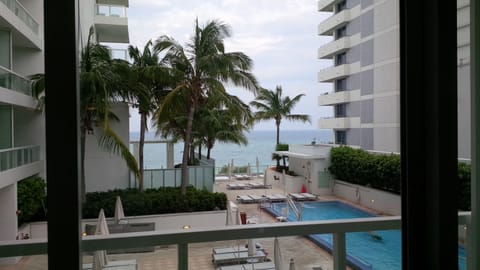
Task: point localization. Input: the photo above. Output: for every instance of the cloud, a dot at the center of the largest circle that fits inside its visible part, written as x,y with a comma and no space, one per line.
280,36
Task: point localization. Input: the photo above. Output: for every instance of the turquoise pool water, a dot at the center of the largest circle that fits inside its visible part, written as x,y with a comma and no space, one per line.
363,250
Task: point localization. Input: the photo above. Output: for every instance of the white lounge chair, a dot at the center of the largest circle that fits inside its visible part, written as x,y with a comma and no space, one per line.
237,186
298,197
115,265
244,199
237,257
257,198
248,266
309,196
276,197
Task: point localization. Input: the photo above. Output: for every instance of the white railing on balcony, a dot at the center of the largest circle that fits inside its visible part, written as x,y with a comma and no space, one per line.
15,82
331,98
18,156
22,14
111,10
183,237
201,177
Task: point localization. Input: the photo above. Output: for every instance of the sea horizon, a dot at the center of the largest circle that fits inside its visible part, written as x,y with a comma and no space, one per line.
261,145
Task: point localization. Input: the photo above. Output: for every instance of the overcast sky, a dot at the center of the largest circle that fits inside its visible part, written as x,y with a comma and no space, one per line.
279,35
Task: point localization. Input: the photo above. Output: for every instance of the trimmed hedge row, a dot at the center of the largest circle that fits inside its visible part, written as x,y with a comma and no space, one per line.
357,166
32,200
383,172
153,201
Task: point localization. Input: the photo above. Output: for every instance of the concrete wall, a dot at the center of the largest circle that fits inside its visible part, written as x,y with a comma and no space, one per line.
8,220
381,201
206,219
105,171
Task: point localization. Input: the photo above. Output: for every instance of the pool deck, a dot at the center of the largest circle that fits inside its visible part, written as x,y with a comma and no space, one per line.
306,254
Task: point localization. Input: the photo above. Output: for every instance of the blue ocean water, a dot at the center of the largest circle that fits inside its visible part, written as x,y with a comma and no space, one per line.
261,144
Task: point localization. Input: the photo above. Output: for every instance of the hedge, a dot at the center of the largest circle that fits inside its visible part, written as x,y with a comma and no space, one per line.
153,201
32,201
383,172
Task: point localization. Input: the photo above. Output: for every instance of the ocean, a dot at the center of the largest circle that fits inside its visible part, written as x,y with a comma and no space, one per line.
261,144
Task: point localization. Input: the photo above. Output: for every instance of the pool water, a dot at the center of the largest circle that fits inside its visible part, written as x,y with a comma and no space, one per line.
364,250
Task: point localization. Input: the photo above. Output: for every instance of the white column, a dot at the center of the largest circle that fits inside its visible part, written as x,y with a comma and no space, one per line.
8,222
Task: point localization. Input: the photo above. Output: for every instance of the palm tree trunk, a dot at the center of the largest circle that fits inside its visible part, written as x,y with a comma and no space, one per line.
143,127
278,133
186,150
199,151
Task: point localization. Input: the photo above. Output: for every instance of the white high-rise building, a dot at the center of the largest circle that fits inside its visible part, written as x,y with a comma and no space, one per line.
22,125
366,73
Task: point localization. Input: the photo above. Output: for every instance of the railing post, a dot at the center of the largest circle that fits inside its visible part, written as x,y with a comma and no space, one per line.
339,251
182,256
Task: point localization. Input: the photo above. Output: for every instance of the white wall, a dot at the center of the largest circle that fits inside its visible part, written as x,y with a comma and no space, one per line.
378,200
104,171
8,220
206,219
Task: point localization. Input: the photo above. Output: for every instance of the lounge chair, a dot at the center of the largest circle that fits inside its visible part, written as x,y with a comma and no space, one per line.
237,257
257,198
276,197
244,199
237,186
229,250
298,197
309,196
248,266
259,185
115,265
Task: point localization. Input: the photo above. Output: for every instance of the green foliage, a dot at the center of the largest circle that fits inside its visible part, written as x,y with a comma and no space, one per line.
464,186
383,171
360,167
31,200
153,201
241,169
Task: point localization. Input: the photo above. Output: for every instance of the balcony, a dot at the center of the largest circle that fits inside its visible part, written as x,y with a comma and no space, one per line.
24,27
111,23
331,73
328,26
14,82
327,5
176,244
328,50
19,156
339,122
332,98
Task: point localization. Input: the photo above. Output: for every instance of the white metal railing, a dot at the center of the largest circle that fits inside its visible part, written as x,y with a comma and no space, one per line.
182,238
111,10
296,211
22,13
15,157
15,82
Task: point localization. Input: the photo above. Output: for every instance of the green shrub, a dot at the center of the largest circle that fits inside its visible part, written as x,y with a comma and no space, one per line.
31,197
383,172
241,169
153,201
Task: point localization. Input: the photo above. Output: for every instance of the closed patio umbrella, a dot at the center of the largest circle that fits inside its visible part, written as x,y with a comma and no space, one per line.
119,214
100,256
251,247
277,254
292,264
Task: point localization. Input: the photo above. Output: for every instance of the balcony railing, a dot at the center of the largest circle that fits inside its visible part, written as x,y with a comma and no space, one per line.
22,14
15,82
182,238
111,10
19,156
201,177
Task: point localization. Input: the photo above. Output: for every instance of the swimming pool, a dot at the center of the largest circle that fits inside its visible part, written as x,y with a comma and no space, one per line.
363,251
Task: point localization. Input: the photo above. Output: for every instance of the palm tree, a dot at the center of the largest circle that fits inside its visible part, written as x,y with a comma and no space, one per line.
217,123
101,83
201,70
146,88
271,105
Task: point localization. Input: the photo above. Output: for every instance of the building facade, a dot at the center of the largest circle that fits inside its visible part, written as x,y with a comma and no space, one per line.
366,73
22,121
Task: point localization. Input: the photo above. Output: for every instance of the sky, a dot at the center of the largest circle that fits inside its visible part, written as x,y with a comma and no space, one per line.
280,36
